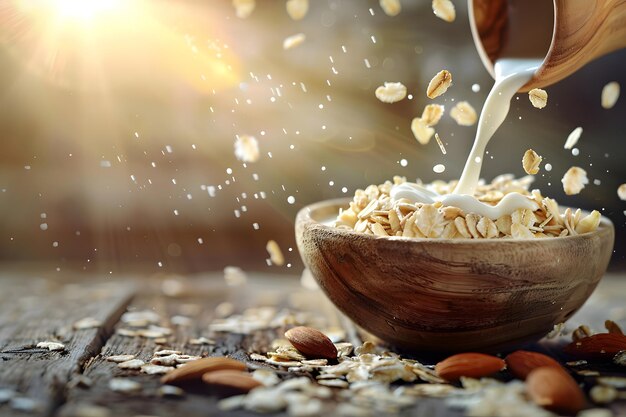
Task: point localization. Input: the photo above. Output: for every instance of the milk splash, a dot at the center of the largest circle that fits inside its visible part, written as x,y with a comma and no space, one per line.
511,75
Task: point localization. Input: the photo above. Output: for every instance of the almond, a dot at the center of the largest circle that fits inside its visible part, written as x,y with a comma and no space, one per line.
521,362
230,382
474,365
193,371
612,327
598,346
555,390
311,343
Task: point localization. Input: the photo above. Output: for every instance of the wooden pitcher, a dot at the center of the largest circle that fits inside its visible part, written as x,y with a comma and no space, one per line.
583,30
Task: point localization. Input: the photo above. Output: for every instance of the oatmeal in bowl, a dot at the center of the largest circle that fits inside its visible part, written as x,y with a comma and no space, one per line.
376,211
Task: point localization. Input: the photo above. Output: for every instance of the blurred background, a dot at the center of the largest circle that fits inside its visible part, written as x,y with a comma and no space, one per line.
118,121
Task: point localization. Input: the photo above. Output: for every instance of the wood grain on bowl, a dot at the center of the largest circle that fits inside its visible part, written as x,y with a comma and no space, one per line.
451,295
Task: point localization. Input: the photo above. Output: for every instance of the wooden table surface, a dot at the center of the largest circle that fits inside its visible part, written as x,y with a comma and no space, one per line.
39,309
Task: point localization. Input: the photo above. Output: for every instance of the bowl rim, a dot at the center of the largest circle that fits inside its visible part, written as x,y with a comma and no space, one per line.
304,216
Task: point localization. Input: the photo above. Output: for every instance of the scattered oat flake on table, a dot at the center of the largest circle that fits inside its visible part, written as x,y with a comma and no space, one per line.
120,358
151,333
421,130
243,8
85,410
170,391
165,331
169,360
595,412
126,332
391,92
439,84
52,346
444,10
610,94
391,7
86,323
181,321
432,114
131,364
294,40
25,404
276,255
140,318
297,9
573,137
124,385
464,114
6,395
151,369
621,192
186,358
201,341
266,376
247,148
538,98
574,180
601,394
531,162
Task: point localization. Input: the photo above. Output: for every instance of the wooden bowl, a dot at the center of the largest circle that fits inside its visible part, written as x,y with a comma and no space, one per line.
444,295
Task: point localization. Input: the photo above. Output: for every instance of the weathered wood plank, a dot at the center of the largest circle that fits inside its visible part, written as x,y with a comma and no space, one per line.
198,402
607,302
39,311
149,402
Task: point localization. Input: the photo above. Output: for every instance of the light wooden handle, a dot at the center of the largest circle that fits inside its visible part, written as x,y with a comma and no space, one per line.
583,31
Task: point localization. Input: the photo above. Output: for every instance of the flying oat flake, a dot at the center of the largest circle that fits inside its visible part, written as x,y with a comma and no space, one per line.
610,95
297,9
391,7
573,137
574,180
464,114
444,10
247,148
421,130
276,255
391,92
293,41
243,8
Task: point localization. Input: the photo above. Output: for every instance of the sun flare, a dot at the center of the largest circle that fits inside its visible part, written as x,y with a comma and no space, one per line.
108,44
83,9
72,10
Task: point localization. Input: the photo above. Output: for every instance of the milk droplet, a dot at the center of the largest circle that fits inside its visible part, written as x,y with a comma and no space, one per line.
404,162
291,199
439,168
575,151
475,88
548,167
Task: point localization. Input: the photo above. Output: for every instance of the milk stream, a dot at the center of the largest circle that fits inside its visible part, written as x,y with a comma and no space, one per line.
511,75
